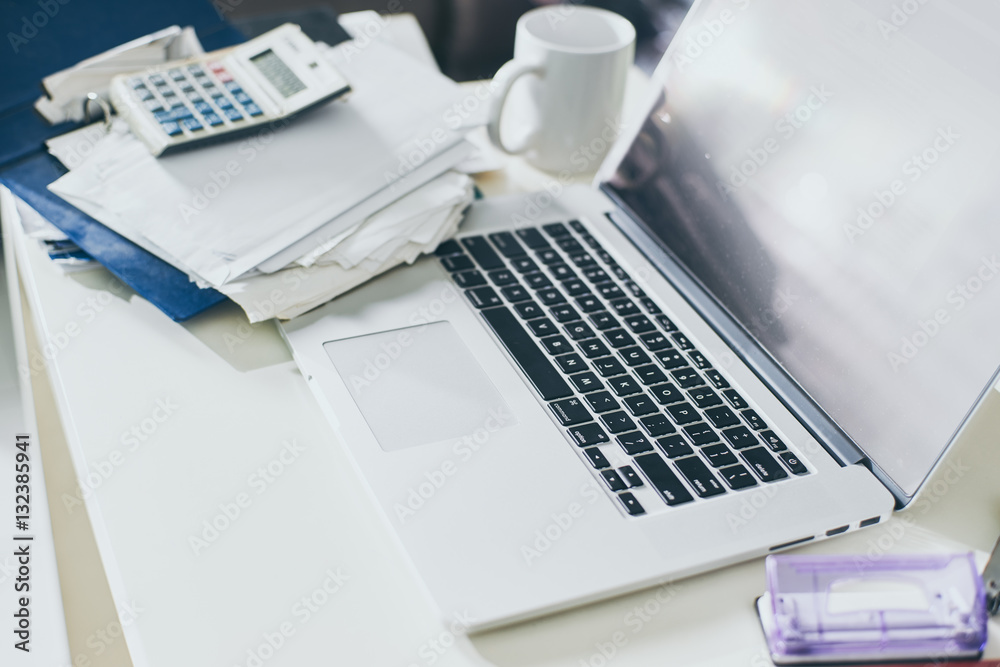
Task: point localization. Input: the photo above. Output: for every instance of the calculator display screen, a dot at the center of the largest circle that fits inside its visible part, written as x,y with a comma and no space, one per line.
278,73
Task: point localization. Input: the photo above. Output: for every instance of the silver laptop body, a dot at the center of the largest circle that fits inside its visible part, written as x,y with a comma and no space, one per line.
800,228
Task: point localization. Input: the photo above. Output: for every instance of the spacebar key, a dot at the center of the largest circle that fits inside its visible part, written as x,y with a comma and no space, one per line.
547,380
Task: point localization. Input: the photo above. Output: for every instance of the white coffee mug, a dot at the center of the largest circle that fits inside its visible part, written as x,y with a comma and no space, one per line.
579,58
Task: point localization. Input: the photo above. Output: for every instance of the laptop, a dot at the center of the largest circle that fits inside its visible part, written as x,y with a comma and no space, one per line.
762,328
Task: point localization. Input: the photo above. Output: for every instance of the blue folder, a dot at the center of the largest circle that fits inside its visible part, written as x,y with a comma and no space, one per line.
45,36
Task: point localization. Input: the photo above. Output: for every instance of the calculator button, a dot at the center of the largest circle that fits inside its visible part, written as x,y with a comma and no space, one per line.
194,97
233,114
153,105
203,108
171,128
187,87
242,97
145,94
196,70
176,75
157,80
231,85
252,109
213,119
137,83
222,102
191,124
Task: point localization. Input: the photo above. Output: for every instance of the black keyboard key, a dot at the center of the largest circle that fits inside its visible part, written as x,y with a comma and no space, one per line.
698,360
569,245
674,446
608,367
634,290
657,425
586,382
483,252
502,277
515,293
754,420
618,271
537,280
571,363
737,477
630,476
772,441
618,422
618,338
793,463
562,273
583,260
683,413
666,394
671,359
457,263
570,411
556,229
639,324
650,375
649,305
763,465
624,307
579,330
634,443
654,340
701,434
735,399
578,227
596,458
704,397
624,385
719,456
529,310
483,297
524,264
699,476
666,323
603,321
555,345
630,504
613,480
565,313
589,304
593,348
601,401
663,479
507,244
548,256
532,238
634,356
682,341
533,362
686,377
575,287
715,377
449,247
591,241
588,435
550,296
610,291
596,275
469,279
739,437
722,417
640,405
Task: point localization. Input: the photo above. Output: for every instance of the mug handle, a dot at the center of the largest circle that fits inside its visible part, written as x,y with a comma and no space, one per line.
511,71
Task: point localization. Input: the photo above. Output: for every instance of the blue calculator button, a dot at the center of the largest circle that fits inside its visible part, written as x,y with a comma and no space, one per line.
233,114
233,87
182,112
145,94
157,80
163,116
191,124
171,128
153,105
213,119
253,109
222,102
195,97
242,97
203,107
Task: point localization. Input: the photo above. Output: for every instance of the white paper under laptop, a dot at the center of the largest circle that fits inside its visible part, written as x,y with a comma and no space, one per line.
782,298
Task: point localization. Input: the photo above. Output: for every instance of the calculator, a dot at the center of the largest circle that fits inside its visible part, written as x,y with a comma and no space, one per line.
229,93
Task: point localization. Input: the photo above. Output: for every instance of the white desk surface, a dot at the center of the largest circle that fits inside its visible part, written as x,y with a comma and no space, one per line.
229,397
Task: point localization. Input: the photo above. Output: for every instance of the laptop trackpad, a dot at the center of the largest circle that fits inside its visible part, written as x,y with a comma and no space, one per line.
418,385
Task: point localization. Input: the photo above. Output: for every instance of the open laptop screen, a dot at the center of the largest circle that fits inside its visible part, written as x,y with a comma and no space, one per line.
830,172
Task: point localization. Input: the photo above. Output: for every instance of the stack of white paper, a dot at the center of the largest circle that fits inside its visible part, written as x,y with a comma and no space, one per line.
323,203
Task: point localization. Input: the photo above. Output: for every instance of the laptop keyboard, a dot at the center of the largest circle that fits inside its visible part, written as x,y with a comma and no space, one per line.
616,373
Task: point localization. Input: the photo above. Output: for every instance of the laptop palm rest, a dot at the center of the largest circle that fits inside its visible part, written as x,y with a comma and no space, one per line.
418,385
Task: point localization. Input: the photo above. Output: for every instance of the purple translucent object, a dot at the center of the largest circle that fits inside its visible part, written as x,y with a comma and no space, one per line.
853,608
